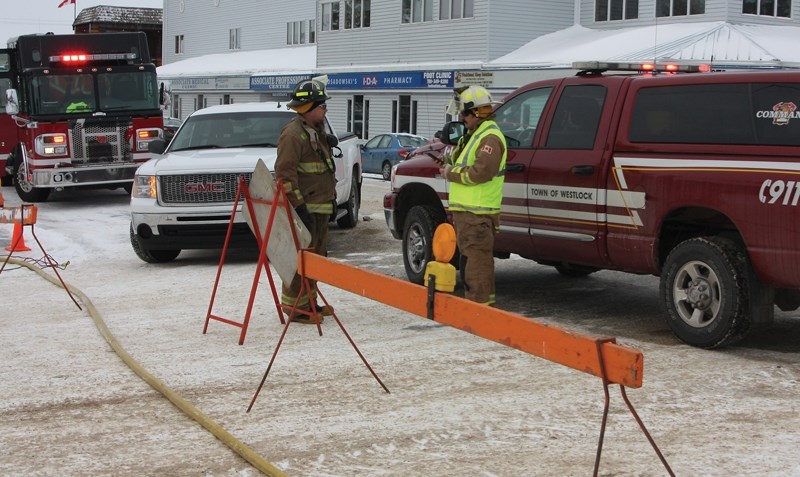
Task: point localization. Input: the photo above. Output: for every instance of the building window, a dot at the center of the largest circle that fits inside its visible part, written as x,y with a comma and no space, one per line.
356,13
300,32
330,16
454,9
226,99
178,44
200,102
674,8
415,11
608,10
356,121
176,106
234,40
771,8
404,115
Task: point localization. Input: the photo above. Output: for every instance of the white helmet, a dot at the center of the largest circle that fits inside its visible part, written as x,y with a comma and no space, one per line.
467,99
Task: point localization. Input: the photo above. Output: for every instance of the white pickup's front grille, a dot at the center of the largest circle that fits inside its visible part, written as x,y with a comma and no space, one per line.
200,188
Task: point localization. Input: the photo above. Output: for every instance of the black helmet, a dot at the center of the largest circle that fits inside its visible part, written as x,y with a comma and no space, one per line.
308,91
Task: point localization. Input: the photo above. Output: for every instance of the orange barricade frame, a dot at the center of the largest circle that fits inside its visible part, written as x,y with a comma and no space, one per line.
23,216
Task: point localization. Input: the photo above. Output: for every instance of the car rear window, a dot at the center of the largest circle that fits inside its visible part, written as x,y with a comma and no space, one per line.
745,114
412,141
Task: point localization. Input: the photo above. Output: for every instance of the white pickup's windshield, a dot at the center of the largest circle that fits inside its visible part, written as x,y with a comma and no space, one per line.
239,129
87,93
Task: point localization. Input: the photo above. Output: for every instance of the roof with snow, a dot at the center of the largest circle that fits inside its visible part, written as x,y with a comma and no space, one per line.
290,60
717,43
120,15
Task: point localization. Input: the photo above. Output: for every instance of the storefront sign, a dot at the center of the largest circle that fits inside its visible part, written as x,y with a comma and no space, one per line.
391,80
477,78
276,82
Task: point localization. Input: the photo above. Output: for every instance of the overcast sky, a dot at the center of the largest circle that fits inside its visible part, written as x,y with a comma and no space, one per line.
20,17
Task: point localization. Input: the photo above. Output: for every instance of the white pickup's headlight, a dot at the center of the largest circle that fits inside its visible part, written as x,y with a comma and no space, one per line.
144,187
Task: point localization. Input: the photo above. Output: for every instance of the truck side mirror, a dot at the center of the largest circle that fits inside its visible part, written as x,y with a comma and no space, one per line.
12,103
452,132
157,146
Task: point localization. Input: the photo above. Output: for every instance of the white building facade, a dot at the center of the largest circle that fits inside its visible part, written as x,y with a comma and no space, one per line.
392,64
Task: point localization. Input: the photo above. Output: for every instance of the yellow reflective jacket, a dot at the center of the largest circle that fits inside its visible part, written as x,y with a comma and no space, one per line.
478,197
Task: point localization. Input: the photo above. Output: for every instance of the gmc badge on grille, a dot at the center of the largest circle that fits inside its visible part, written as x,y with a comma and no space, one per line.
200,187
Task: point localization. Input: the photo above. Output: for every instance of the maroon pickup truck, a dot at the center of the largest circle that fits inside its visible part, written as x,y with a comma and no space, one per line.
693,177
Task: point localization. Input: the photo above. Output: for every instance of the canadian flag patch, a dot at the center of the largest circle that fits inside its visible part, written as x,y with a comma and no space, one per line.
487,149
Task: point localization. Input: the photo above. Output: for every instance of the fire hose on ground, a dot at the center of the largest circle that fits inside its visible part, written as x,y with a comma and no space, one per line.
176,399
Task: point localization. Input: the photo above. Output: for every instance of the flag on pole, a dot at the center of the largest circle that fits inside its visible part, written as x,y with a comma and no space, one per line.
65,2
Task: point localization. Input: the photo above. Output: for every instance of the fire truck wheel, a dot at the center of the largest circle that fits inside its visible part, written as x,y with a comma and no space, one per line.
25,189
705,291
418,231
151,256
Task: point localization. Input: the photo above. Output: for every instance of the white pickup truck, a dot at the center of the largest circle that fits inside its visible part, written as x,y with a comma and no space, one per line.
183,198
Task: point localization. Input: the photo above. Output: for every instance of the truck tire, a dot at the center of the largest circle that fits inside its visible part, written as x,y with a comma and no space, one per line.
418,231
351,207
705,290
25,189
386,171
152,256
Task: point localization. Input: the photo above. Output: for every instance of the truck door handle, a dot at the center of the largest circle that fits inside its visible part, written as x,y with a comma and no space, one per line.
515,167
583,170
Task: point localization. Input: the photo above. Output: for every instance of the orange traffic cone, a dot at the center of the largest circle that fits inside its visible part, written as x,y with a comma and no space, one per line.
17,240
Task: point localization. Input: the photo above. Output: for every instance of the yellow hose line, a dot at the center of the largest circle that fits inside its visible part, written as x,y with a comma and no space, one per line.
218,431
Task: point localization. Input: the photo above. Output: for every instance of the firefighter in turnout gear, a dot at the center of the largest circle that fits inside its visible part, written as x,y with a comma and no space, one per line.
476,174
306,169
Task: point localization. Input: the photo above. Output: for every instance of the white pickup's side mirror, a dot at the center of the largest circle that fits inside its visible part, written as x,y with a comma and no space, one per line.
12,104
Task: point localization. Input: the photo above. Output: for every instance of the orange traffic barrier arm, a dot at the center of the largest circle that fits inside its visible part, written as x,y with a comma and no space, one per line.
24,214
619,365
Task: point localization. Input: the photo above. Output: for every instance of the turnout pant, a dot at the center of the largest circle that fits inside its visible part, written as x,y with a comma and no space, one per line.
319,244
475,239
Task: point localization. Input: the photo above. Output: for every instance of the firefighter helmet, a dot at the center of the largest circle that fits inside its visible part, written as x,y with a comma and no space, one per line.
472,98
308,92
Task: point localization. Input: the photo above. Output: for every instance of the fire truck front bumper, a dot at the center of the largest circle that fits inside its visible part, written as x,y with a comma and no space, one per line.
82,176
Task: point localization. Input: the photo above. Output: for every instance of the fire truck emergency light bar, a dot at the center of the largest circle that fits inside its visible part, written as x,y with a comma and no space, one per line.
643,67
82,58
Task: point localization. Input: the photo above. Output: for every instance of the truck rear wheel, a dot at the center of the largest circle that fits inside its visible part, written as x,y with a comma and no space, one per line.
25,189
418,231
151,256
705,291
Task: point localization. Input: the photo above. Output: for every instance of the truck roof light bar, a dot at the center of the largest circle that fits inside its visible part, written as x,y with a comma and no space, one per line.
646,67
83,58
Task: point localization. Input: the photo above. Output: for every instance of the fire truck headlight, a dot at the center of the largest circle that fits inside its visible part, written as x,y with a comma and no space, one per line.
51,144
144,136
144,187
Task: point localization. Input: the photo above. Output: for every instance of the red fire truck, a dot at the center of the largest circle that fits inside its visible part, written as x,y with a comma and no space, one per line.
78,111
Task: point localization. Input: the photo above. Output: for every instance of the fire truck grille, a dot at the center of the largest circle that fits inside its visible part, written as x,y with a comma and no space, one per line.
95,142
200,188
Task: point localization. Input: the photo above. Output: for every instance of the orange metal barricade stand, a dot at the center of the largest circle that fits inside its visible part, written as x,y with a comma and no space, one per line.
25,216
600,357
261,239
